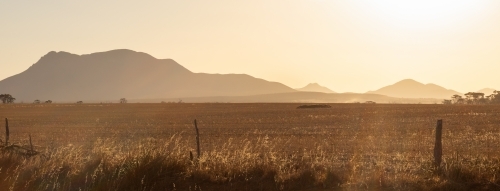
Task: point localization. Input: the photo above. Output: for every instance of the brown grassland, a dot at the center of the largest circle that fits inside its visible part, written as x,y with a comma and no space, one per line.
250,147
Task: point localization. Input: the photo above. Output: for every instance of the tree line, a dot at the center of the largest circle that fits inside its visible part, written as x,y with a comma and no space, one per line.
7,98
474,98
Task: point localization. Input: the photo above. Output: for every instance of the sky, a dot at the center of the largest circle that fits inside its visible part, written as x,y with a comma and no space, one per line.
347,46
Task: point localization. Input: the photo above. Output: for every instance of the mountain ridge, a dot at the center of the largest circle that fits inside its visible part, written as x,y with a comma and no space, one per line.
486,91
409,88
315,87
114,74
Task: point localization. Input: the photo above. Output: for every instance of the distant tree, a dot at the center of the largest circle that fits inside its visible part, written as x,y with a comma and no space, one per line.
456,99
79,102
7,98
123,100
482,100
48,101
447,101
468,96
495,97
11,100
36,101
474,97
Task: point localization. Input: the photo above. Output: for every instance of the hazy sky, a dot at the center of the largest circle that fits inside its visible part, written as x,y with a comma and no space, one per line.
348,46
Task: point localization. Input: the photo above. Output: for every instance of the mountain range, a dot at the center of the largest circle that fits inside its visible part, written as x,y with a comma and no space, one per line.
115,74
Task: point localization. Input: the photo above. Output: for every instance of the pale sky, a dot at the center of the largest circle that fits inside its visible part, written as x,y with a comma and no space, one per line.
347,46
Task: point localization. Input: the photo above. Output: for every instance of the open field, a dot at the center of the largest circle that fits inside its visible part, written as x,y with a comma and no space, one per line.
251,147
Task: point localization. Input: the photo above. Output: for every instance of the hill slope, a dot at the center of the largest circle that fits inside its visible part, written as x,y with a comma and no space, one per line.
314,87
412,89
486,91
109,76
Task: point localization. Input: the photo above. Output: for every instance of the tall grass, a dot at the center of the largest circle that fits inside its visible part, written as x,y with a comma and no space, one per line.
153,164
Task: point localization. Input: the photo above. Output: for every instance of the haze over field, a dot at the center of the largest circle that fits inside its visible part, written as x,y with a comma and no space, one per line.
348,46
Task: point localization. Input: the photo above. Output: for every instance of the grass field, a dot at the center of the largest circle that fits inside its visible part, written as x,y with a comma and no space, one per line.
251,147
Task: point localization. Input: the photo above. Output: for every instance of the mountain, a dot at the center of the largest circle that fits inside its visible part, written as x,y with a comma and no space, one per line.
314,87
486,91
412,89
111,75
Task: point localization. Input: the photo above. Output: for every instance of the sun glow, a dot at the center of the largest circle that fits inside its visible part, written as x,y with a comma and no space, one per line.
424,14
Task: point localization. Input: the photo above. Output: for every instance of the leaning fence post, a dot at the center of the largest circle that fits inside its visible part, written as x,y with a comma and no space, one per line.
438,147
197,139
6,132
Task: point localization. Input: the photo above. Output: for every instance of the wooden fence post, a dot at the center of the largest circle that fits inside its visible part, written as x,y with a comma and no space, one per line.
438,146
31,145
197,139
6,132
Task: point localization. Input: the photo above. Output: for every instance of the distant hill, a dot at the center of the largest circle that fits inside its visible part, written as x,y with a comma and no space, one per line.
412,89
109,76
486,91
314,87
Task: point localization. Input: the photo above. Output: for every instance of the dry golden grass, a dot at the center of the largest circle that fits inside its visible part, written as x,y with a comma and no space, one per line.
251,147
